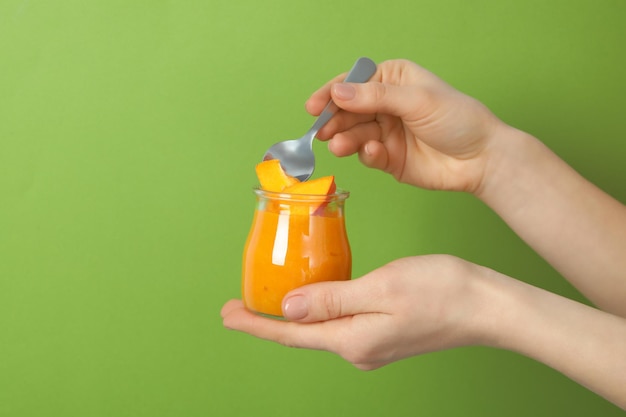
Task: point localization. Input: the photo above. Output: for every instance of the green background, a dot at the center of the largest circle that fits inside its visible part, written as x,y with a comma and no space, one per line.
128,135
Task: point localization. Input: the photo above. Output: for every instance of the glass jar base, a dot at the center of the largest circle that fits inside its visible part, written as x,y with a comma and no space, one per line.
268,316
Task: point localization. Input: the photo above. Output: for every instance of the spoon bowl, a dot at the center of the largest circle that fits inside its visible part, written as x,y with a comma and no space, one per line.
296,155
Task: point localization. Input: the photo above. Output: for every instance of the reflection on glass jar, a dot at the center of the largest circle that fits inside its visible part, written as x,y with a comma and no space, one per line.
294,240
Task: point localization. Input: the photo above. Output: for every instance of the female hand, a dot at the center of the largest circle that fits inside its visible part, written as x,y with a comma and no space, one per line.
408,307
411,124
430,303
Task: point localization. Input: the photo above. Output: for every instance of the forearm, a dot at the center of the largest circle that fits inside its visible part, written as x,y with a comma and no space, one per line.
585,344
575,226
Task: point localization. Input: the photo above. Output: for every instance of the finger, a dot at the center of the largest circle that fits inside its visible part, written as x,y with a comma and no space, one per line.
230,306
374,155
331,300
353,140
320,98
342,121
377,97
374,148
318,336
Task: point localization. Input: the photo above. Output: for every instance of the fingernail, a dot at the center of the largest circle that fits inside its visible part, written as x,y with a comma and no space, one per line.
295,307
344,91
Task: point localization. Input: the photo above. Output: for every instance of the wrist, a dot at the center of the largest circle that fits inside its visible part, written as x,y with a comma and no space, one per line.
509,153
493,294
482,308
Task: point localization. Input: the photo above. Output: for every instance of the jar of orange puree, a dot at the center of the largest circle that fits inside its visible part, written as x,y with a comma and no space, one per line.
295,239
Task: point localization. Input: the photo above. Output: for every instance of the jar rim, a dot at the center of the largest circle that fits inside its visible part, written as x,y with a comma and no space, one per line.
340,194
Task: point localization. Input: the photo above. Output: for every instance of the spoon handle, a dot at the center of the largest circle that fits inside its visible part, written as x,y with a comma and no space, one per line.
362,71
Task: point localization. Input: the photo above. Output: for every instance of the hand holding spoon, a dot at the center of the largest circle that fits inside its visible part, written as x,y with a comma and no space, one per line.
296,155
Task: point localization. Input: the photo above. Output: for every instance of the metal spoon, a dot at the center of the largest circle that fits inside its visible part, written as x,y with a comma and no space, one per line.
296,155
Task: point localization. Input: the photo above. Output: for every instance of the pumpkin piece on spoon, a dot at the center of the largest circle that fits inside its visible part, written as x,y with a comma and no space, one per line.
272,176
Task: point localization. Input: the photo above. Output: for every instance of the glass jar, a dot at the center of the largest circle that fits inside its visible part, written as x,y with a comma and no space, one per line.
295,239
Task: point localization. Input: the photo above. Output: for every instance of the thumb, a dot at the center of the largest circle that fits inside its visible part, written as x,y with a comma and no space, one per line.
375,97
328,300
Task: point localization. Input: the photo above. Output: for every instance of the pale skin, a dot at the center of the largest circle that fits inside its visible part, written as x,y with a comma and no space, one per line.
411,124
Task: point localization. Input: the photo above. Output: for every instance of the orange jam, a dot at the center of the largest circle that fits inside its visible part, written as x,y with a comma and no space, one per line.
294,240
